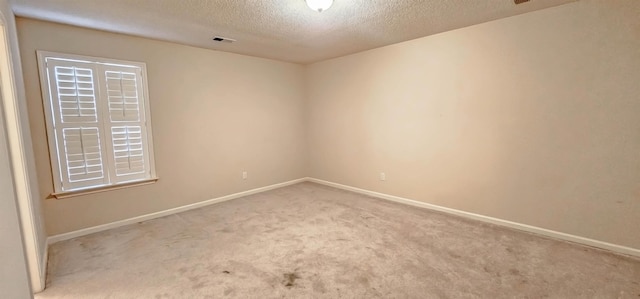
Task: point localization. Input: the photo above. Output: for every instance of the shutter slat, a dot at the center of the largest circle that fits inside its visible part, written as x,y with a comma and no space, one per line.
128,150
123,97
76,94
83,153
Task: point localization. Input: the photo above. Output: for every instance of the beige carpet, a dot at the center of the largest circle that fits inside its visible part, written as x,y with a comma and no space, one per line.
311,241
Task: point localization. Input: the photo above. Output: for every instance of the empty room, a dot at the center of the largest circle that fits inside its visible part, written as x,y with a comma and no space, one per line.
320,149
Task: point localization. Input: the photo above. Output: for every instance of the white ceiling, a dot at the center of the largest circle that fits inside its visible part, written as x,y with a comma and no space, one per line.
284,30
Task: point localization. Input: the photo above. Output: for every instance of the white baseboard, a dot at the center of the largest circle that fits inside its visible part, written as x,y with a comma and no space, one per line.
514,225
43,269
103,227
519,226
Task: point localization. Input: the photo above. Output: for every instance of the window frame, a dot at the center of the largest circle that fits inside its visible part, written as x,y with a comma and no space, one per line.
101,104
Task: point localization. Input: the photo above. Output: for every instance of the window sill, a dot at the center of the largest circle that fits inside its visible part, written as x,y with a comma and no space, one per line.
68,194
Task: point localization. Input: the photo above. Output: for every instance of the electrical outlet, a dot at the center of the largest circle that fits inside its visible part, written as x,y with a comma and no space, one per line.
244,175
383,176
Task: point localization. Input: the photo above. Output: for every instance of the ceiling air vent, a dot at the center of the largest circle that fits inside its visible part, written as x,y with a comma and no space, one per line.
520,1
221,39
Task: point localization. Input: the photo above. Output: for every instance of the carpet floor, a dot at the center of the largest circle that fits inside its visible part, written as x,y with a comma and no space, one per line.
313,241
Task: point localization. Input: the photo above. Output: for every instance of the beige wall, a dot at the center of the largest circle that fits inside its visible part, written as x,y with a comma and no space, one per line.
533,119
214,115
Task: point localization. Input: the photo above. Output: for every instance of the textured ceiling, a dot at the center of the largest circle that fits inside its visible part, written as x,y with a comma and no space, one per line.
284,30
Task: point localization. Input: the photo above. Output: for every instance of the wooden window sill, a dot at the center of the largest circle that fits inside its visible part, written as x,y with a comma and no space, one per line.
67,194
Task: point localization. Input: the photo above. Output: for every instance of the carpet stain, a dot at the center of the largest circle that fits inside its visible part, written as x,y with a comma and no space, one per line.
363,280
290,279
454,255
226,272
319,287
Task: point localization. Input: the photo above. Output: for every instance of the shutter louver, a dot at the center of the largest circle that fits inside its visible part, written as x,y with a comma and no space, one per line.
122,91
77,124
76,95
128,150
83,154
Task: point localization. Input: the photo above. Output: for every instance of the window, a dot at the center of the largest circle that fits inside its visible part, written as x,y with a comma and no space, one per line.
98,121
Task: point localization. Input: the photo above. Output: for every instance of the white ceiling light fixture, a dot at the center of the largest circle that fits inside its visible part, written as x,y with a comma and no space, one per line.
319,5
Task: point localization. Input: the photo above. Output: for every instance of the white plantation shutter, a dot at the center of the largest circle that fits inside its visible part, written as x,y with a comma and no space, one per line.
123,91
83,154
76,124
128,150
76,93
97,120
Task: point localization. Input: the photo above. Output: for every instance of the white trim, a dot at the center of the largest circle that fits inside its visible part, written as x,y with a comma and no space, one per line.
44,262
147,118
500,222
49,121
103,227
505,223
104,188
18,154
